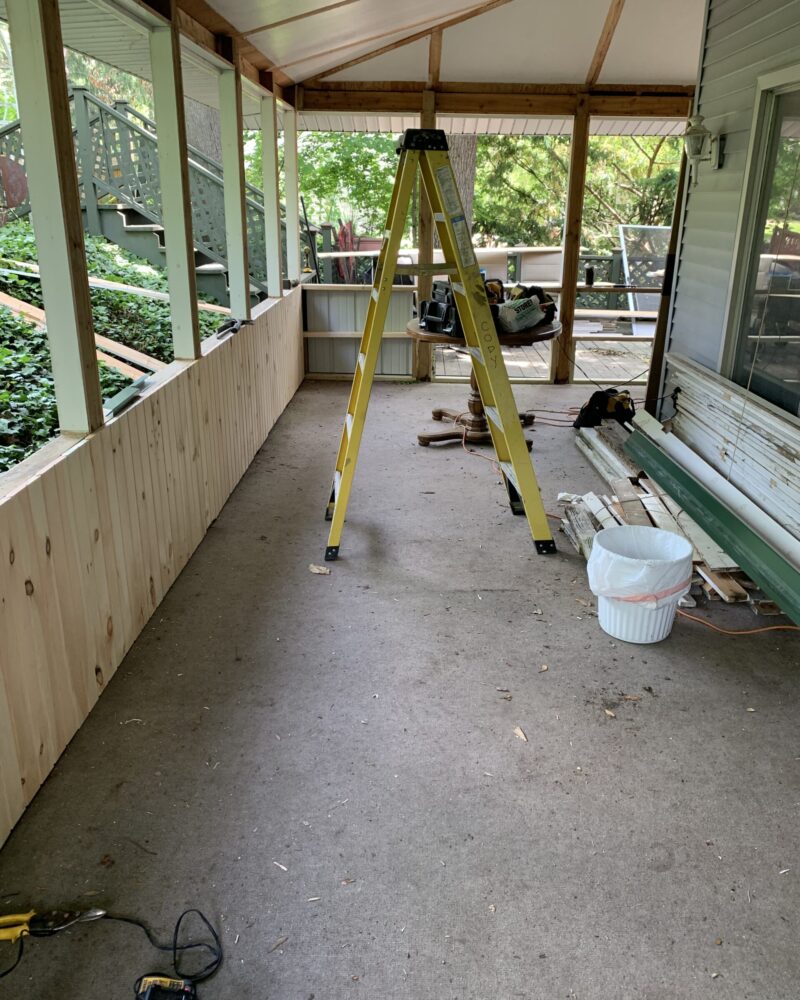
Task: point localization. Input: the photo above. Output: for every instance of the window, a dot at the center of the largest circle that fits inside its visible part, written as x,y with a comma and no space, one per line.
767,356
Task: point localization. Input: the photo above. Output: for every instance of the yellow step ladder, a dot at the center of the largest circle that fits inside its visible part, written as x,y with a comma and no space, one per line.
426,150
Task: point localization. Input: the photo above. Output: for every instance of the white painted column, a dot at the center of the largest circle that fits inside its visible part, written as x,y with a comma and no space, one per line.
230,112
292,195
176,200
35,32
272,203
37,52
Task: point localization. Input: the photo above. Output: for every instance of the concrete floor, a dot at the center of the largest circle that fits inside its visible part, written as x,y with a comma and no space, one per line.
350,728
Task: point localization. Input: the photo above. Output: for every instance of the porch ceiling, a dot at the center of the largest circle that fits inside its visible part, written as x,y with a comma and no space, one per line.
512,41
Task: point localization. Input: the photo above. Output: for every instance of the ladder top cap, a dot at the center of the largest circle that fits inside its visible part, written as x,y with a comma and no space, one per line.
424,138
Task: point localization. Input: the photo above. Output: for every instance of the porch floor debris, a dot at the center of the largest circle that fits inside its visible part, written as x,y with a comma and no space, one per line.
332,760
602,360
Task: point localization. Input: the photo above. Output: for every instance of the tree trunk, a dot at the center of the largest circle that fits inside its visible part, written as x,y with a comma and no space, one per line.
202,129
463,157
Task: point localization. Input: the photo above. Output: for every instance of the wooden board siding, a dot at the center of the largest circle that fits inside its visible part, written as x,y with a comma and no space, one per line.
752,443
744,40
94,538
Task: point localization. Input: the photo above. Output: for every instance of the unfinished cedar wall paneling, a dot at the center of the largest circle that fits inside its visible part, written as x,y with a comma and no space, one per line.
744,40
90,544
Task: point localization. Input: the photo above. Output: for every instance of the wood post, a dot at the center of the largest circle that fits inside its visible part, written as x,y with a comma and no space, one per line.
422,358
41,82
272,206
176,200
561,357
655,375
234,190
292,195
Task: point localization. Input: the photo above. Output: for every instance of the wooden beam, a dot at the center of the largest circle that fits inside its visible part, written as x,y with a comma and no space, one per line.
272,207
422,355
562,353
38,57
297,17
176,197
604,41
660,336
488,100
234,191
459,18
434,58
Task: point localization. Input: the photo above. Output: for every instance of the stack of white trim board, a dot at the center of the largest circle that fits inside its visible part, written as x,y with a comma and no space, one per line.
634,498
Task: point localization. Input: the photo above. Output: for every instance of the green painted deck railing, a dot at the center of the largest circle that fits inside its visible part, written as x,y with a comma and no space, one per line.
118,147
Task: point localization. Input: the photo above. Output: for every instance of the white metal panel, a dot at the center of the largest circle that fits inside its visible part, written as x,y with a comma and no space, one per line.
332,37
407,63
537,40
656,42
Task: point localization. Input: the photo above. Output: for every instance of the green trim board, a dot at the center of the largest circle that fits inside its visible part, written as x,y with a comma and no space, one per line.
776,577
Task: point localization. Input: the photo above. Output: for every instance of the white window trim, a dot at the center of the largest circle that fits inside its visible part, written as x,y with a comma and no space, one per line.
769,87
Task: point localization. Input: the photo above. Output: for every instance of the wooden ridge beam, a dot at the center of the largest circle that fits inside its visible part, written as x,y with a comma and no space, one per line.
434,59
604,41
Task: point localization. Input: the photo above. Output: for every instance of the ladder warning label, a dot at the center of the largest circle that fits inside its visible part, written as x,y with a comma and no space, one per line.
447,185
463,240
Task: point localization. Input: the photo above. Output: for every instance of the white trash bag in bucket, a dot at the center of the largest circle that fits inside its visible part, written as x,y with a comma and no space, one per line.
638,575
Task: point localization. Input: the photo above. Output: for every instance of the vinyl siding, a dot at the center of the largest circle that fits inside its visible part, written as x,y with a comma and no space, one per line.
744,40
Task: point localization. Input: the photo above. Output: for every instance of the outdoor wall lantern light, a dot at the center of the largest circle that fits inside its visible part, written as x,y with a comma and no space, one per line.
694,141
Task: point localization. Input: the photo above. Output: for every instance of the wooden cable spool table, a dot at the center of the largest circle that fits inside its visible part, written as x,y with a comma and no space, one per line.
473,423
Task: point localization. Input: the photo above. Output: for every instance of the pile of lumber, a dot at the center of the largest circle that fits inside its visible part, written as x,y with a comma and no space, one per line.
634,498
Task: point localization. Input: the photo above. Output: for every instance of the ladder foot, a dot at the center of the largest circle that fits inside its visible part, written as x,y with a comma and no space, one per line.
546,547
332,553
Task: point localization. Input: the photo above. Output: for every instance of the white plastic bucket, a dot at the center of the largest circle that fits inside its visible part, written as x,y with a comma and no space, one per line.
638,575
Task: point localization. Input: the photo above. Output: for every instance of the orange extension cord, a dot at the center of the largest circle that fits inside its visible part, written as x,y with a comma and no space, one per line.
740,631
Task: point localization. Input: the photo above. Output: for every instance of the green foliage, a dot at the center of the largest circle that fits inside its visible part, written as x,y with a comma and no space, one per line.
27,399
133,320
521,188
28,414
345,176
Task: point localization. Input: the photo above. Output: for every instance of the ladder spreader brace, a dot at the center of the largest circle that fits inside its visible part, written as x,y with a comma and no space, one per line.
426,150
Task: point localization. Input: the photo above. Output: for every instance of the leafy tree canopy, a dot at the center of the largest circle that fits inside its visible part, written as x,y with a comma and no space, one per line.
521,188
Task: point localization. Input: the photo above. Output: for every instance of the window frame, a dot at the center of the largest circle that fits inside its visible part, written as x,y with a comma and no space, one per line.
769,88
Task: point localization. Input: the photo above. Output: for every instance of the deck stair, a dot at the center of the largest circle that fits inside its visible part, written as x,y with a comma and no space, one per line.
116,152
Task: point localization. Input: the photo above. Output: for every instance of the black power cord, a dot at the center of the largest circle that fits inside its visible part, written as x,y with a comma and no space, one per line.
212,947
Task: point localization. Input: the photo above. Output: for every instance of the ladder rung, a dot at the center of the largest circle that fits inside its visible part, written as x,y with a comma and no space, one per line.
494,416
348,423
362,359
426,269
508,470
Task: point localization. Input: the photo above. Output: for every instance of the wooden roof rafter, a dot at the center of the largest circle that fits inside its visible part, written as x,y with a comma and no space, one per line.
604,41
297,17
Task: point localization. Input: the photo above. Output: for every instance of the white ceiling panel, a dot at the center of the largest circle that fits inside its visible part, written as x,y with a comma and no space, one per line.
656,42
408,63
311,45
527,41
